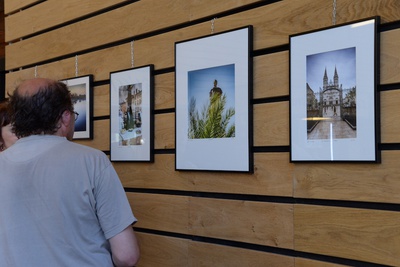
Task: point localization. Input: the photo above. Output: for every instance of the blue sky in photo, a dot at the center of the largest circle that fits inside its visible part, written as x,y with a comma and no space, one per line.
200,82
345,62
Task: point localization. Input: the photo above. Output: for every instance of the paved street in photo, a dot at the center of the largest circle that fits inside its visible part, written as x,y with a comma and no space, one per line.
340,129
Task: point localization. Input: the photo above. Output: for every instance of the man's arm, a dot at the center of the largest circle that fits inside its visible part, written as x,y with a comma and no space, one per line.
125,248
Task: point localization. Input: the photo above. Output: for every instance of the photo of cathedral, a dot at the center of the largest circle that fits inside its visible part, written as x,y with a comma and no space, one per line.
331,95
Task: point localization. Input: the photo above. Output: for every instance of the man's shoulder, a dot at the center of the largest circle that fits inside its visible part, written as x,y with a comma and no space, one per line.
82,149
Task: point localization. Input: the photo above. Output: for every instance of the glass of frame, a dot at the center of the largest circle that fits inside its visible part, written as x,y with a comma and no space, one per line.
334,104
131,111
213,90
82,99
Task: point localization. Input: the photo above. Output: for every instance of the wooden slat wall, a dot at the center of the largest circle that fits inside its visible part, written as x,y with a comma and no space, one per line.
284,214
13,6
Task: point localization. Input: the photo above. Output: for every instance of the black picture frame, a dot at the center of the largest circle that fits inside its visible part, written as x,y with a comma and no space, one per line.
132,114
81,89
334,103
212,70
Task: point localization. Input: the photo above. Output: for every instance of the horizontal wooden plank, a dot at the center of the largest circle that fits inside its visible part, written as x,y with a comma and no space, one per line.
101,101
101,136
164,127
252,222
300,262
203,254
272,23
271,124
113,59
350,181
205,8
161,251
390,57
390,116
49,14
15,5
358,234
151,209
164,251
272,177
139,18
271,75
158,175
164,95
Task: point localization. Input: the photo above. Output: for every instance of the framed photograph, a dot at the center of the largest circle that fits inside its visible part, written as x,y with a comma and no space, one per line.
213,79
132,117
334,104
82,98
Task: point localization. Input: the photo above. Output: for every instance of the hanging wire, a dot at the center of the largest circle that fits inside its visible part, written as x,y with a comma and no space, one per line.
76,66
132,55
36,73
334,13
212,25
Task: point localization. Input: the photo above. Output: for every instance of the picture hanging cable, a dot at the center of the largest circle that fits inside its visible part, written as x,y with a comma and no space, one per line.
334,13
212,25
76,66
132,55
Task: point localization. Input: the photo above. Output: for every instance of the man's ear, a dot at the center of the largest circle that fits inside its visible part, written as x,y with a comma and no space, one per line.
66,117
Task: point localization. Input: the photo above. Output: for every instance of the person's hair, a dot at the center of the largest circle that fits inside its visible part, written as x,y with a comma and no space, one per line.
39,113
4,116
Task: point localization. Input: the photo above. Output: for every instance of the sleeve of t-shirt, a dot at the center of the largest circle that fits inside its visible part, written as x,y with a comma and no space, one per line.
113,209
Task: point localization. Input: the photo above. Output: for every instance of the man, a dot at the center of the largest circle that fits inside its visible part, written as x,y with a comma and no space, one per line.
61,203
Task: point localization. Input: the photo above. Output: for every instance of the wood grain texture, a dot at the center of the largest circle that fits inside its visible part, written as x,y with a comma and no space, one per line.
51,13
164,127
390,116
272,23
350,181
119,24
116,58
158,175
272,176
260,223
358,234
15,5
390,57
271,124
151,209
271,75
299,262
161,251
101,101
164,95
101,136
206,255
203,8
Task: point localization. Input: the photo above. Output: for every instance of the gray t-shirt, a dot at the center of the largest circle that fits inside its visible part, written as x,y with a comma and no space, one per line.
60,202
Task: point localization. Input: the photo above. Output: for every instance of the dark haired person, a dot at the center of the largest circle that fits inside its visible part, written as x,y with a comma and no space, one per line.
7,137
61,203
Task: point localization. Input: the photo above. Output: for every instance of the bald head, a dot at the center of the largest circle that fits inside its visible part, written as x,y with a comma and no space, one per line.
31,87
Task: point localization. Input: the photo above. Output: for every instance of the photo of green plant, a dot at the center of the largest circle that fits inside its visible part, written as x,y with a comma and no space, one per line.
211,94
